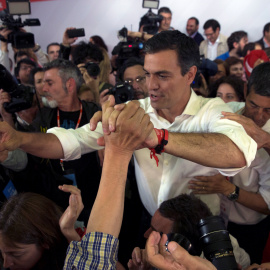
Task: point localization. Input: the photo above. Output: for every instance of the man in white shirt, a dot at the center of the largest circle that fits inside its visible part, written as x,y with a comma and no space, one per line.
215,43
205,143
247,208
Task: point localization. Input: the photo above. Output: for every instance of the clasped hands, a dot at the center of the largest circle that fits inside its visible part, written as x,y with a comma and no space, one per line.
126,126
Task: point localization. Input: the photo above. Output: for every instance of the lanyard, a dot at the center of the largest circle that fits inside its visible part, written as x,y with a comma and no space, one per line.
78,123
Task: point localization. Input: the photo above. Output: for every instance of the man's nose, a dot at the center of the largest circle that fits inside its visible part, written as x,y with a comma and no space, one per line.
8,262
152,83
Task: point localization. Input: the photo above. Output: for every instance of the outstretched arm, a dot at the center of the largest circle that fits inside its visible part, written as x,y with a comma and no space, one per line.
208,149
38,144
107,212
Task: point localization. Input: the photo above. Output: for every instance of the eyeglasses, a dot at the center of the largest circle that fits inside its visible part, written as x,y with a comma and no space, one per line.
26,67
138,80
209,35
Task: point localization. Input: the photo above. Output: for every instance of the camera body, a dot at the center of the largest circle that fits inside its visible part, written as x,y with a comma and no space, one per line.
21,95
122,92
17,38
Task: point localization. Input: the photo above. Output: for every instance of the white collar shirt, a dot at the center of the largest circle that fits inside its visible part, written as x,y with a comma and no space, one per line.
171,177
212,49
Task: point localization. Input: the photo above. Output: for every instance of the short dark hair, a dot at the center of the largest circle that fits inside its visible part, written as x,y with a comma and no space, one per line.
66,70
266,28
211,23
235,37
133,61
230,61
53,44
195,19
186,48
236,83
86,51
185,211
27,61
259,80
164,10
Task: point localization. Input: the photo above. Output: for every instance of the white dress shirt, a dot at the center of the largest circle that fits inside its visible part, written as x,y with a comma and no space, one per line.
171,177
255,178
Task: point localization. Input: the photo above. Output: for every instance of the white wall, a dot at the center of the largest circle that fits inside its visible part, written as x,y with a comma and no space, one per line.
105,17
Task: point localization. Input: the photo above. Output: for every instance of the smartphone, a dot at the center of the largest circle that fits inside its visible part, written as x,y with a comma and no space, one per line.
72,33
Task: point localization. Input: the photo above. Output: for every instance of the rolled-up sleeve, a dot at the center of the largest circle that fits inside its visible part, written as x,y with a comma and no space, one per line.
95,251
76,142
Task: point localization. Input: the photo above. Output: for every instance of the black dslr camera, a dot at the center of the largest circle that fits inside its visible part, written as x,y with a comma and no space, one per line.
93,69
213,239
122,92
17,38
21,95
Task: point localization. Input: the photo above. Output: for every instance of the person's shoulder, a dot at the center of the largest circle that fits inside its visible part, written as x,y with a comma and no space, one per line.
236,106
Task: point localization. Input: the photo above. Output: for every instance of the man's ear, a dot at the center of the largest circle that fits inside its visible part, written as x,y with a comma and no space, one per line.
191,74
70,84
235,45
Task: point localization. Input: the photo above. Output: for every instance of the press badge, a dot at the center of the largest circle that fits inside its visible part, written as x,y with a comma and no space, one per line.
9,190
70,174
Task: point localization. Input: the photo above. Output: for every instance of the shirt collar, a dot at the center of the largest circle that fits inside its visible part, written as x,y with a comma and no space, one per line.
216,42
191,108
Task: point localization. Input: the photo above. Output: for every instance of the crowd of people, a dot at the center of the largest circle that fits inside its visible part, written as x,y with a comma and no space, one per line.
86,181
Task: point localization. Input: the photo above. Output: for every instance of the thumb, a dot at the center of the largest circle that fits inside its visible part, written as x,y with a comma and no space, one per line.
178,253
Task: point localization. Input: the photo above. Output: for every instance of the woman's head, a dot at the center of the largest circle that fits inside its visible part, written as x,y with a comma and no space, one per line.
29,228
229,89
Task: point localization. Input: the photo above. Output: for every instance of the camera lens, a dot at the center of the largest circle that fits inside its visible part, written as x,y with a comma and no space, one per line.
216,243
92,69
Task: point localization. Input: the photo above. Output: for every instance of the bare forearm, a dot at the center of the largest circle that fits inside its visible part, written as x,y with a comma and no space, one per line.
107,212
253,201
208,149
41,145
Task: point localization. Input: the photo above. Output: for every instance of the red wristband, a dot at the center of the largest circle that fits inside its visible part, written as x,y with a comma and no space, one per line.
162,135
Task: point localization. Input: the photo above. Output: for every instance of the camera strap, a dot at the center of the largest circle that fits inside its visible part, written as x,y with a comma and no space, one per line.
162,135
78,123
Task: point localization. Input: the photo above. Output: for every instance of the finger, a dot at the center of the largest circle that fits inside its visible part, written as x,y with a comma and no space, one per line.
101,141
97,117
129,110
137,254
107,109
178,253
70,188
112,120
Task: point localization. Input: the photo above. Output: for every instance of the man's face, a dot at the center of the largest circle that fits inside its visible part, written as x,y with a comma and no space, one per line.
135,76
166,22
257,108
191,27
168,90
241,44
53,90
53,52
211,35
159,224
24,73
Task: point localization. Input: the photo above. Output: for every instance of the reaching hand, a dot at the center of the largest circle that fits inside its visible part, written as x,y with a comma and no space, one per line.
72,213
67,41
211,184
176,259
254,131
138,261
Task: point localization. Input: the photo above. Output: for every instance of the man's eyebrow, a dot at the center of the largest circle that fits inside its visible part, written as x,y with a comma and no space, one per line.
252,102
160,72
